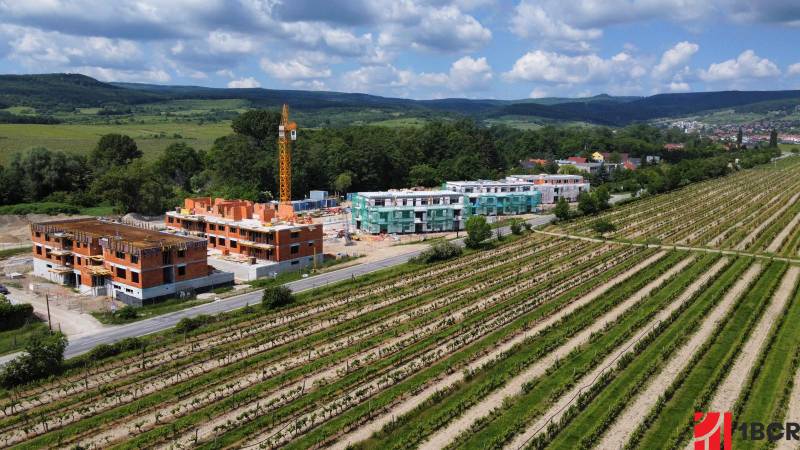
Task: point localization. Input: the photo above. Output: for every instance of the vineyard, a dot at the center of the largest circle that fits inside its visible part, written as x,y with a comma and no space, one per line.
558,338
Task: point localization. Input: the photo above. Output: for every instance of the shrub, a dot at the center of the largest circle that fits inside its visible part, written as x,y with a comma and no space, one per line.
104,351
127,312
516,227
603,226
14,316
439,252
562,209
477,231
188,324
277,297
43,357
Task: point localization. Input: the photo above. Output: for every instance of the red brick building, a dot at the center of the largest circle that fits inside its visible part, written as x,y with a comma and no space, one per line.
132,264
249,229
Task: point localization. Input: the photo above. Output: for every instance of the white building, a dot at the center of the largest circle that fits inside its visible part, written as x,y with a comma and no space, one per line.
554,187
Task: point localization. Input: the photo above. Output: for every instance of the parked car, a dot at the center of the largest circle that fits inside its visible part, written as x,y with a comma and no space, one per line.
3,290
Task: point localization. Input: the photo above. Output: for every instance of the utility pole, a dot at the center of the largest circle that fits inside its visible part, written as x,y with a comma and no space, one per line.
49,322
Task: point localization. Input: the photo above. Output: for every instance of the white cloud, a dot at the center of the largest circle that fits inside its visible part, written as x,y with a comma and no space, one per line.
138,76
747,65
377,78
223,42
793,70
446,29
563,69
531,21
538,93
675,59
679,86
294,69
469,74
242,83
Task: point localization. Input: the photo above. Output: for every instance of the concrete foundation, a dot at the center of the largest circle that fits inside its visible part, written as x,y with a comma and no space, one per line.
248,272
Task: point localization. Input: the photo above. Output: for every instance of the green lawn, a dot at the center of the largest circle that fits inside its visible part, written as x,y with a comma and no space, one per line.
152,138
14,340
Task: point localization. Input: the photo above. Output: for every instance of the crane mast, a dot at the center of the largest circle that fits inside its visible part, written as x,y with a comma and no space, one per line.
287,132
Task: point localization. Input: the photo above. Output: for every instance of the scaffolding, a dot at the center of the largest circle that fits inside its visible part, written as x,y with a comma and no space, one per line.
504,204
430,217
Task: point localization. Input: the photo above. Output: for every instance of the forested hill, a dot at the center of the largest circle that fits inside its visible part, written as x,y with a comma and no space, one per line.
63,92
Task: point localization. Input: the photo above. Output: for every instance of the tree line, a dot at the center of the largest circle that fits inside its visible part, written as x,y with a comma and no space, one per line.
244,163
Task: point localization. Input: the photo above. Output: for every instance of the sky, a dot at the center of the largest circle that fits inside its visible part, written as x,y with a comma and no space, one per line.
504,49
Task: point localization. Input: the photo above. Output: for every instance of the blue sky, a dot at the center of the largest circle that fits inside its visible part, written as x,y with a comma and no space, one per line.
505,49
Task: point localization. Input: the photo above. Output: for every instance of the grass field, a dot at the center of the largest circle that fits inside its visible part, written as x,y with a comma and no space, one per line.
14,340
152,138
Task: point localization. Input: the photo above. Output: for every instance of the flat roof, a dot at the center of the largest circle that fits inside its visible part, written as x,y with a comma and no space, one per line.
249,224
377,194
137,237
489,183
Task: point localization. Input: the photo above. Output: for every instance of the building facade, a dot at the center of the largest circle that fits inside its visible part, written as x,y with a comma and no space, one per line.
249,229
132,264
408,211
497,198
554,187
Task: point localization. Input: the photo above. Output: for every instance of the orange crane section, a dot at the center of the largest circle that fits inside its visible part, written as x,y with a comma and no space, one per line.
287,132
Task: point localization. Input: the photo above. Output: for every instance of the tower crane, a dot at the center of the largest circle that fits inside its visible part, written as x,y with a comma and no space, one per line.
287,132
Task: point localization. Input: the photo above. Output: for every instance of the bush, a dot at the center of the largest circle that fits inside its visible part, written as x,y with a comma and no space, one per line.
277,297
188,324
516,227
562,209
104,351
477,231
127,312
439,252
14,316
603,226
43,357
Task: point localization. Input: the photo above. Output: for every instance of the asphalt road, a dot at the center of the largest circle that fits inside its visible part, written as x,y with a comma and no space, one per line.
83,344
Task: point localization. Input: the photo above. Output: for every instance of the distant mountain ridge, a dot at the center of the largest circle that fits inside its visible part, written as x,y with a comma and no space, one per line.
65,91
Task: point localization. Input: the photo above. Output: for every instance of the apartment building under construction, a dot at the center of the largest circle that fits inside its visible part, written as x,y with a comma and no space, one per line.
132,264
250,231
408,211
497,198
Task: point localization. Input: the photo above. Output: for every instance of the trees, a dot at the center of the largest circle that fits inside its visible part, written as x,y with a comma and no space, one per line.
277,297
113,150
478,230
260,125
44,356
343,182
423,175
587,203
773,138
179,163
562,209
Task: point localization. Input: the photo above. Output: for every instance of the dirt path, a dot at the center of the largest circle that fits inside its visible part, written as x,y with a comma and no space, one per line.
407,405
71,323
727,393
627,422
555,413
514,386
776,243
792,412
763,225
